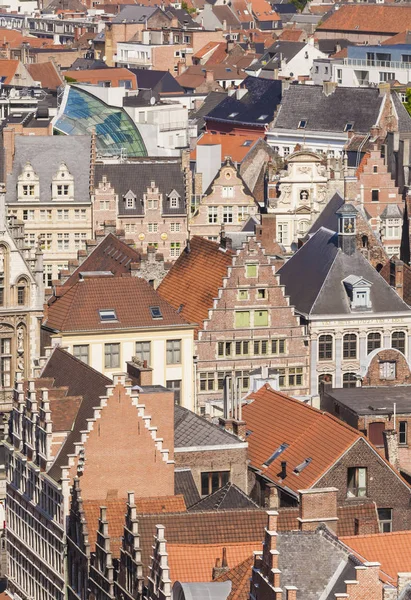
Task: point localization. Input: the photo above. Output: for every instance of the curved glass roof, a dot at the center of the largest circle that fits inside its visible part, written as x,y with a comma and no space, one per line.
82,113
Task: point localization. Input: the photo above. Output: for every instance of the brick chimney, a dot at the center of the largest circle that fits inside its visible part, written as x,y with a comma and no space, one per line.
364,526
209,76
221,565
139,373
318,506
266,234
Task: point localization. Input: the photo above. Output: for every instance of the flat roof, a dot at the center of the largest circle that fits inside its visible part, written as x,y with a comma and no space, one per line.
374,400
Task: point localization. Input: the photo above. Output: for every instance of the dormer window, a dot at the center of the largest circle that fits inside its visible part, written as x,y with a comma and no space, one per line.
28,187
359,291
302,124
63,184
174,199
348,127
130,200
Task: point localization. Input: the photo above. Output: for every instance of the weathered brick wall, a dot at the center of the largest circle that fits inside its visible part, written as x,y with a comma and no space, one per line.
403,374
234,461
384,487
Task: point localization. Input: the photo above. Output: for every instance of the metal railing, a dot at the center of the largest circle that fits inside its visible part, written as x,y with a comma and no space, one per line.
382,64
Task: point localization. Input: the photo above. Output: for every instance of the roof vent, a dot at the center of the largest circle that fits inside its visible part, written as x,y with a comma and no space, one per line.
302,466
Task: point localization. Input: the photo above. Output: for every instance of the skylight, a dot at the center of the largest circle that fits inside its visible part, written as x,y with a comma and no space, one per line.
156,312
349,127
248,143
302,124
276,454
108,314
302,466
262,117
232,115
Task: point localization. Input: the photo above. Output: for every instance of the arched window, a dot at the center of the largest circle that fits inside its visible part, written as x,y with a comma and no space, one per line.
350,345
364,241
373,342
325,347
22,292
325,378
349,380
398,341
379,267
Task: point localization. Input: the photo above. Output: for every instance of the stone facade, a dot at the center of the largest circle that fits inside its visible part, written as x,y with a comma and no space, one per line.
227,203
251,325
301,193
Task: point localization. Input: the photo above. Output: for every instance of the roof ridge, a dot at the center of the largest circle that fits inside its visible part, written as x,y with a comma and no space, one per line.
337,254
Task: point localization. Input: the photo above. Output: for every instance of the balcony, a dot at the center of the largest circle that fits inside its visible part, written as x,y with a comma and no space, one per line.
380,64
132,60
172,126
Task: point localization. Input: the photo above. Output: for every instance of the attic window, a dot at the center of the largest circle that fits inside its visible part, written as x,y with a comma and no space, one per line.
107,315
302,124
248,143
302,466
348,126
228,70
232,115
276,454
262,117
156,312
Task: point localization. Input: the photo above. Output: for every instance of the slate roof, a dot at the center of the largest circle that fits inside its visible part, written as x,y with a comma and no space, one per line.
194,279
369,400
192,430
391,211
193,562
391,550
81,381
184,484
110,255
45,154
228,497
134,13
404,119
130,298
328,216
313,279
161,82
261,100
274,419
280,50
359,106
224,13
372,18
138,175
212,100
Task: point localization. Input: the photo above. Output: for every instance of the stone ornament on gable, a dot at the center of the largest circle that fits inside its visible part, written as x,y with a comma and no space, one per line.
285,194
320,169
304,169
20,339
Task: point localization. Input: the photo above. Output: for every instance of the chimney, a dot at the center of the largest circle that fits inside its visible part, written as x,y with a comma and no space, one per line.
181,67
329,87
364,526
391,447
318,506
139,373
9,147
397,276
221,565
209,76
291,592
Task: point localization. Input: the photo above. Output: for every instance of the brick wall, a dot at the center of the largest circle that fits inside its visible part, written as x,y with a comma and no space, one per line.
402,374
383,485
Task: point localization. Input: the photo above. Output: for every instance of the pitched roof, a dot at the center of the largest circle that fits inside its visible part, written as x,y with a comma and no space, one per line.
391,550
135,14
192,430
8,70
130,298
47,74
184,484
234,146
116,510
224,13
240,579
359,106
194,279
281,50
110,255
257,106
400,38
137,176
207,48
328,216
45,154
372,18
193,562
95,76
368,400
277,419
314,274
228,497
292,35
161,82
212,100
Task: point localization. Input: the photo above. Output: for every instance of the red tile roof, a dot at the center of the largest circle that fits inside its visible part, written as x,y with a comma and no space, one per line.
275,418
47,74
94,76
15,39
372,18
292,35
231,145
195,278
240,579
391,550
209,47
401,38
263,11
130,297
8,69
195,562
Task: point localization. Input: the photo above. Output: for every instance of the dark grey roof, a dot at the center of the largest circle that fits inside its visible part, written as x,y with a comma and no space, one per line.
277,52
183,17
404,119
193,430
88,63
370,400
45,154
391,211
359,106
134,13
328,217
261,100
212,100
315,562
138,175
330,46
184,484
228,497
313,279
224,13
161,82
